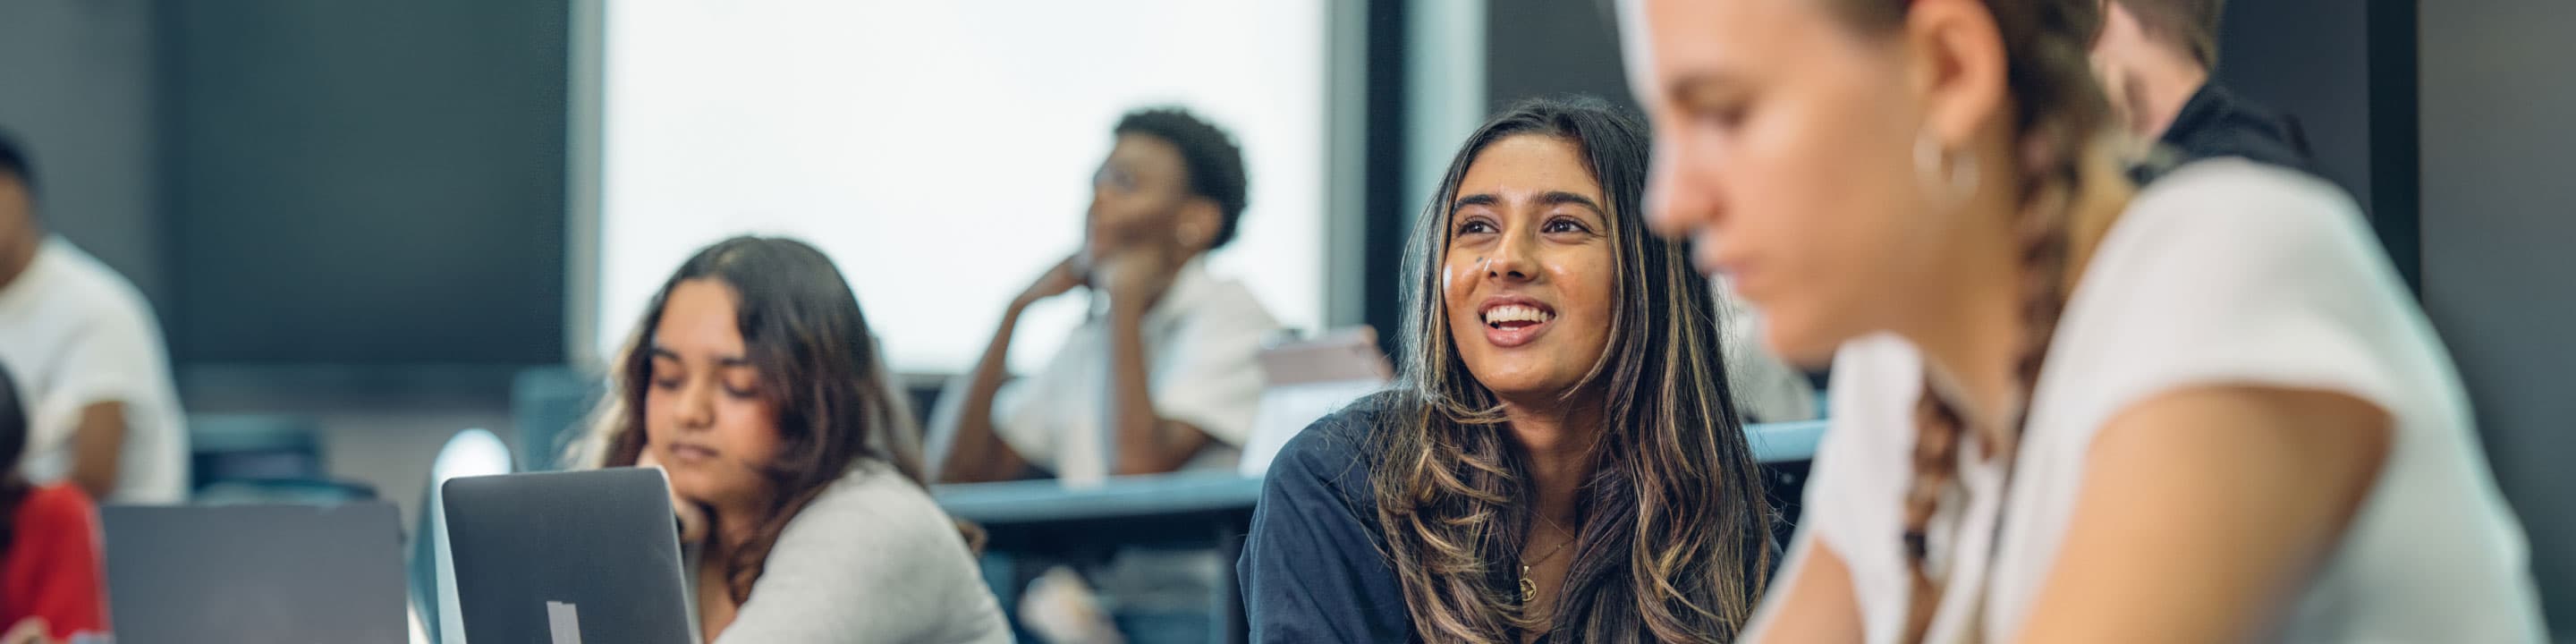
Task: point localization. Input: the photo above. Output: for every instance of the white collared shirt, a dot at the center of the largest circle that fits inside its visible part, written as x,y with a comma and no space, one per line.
1202,342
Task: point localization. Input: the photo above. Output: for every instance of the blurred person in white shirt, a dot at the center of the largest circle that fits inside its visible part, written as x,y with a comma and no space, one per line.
90,358
1163,375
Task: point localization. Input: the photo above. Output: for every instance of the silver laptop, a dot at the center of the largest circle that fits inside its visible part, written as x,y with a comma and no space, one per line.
1307,379
567,557
255,573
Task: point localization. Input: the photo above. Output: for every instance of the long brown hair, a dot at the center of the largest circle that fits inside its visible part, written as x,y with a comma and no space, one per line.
836,404
1674,536
2057,115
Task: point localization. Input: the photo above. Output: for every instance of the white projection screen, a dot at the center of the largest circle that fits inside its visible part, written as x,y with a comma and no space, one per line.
940,152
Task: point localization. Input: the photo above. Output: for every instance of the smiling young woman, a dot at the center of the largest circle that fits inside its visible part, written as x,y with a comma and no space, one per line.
1561,461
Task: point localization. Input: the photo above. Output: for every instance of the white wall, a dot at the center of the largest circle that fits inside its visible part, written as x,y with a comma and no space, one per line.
942,152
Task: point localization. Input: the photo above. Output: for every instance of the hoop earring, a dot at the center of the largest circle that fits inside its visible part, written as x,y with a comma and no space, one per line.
1934,166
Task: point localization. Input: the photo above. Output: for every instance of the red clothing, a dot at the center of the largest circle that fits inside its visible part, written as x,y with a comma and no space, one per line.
52,567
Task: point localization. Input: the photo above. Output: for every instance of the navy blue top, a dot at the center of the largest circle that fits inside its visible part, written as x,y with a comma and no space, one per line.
1312,568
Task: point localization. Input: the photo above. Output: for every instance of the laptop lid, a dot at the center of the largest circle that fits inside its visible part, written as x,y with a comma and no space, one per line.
567,557
1307,379
255,573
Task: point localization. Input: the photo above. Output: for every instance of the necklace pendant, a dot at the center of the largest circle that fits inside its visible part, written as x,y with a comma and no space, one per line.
1529,589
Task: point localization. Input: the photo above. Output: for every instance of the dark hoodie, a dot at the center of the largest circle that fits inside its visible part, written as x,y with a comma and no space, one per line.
2215,123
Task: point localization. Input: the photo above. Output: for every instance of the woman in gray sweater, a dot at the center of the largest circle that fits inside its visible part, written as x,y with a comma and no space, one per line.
753,380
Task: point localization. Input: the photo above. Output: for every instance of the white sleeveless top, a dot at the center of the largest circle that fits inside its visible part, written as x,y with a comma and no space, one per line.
2224,272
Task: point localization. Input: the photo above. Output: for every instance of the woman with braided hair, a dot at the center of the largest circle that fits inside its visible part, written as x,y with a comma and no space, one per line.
2064,409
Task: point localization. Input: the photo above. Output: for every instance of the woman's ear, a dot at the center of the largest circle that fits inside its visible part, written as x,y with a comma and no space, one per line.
1195,229
1958,68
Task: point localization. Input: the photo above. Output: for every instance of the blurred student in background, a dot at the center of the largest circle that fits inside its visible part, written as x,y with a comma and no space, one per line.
1162,376
1562,462
2153,59
1767,388
2064,410
753,380
89,357
50,576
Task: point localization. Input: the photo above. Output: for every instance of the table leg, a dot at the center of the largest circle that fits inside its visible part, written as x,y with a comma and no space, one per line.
1227,611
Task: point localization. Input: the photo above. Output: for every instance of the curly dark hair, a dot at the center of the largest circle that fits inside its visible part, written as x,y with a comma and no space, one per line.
1213,161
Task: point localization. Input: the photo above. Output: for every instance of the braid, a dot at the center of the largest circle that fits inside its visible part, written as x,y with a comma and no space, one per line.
1936,449
2057,110
1938,426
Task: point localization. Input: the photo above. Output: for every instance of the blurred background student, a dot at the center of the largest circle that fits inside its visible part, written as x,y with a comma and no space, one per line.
1563,462
1161,376
2153,58
2065,410
89,355
1767,388
50,575
753,380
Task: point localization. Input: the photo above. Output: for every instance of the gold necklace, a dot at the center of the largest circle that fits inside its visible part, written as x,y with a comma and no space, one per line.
1529,589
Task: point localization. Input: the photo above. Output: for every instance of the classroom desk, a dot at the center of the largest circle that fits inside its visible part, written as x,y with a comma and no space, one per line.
1125,498
1047,519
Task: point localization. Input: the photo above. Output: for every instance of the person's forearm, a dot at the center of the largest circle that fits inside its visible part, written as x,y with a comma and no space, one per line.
976,453
1143,438
98,446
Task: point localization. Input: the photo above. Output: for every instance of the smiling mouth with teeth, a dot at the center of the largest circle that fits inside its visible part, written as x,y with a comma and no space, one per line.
1514,316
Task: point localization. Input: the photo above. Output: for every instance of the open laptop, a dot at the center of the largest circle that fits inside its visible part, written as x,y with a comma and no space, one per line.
567,557
255,573
1307,379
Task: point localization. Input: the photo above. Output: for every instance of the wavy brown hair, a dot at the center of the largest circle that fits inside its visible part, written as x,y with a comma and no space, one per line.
820,373
1674,535
2057,116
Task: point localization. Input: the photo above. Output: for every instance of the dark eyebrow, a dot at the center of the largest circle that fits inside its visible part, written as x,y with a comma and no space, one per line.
1479,199
1549,198
1559,197
727,362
